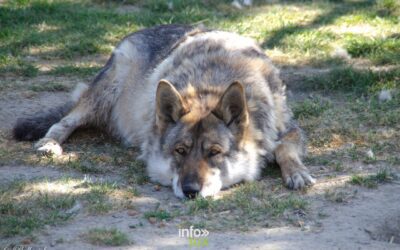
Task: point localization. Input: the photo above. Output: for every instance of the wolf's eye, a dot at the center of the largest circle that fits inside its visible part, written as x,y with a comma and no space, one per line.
214,152
180,150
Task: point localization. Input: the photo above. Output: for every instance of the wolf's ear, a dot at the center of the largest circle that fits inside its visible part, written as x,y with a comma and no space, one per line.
232,107
169,103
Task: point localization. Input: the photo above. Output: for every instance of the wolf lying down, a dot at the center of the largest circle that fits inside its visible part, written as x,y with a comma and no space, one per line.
207,109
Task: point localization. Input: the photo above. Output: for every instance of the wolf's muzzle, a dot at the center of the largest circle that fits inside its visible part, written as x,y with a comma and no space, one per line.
190,189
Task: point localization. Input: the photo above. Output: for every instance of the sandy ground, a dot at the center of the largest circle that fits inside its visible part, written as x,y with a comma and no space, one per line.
367,221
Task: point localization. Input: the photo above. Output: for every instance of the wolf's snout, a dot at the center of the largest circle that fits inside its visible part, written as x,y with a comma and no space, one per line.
190,189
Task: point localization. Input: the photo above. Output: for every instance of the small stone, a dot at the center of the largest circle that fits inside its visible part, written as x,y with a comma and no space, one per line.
300,212
300,223
247,2
368,230
385,95
175,205
370,154
256,201
152,220
31,59
237,5
26,241
75,209
132,212
340,52
59,241
170,5
225,212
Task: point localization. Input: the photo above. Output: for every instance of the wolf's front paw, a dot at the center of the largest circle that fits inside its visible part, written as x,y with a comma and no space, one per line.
48,147
298,179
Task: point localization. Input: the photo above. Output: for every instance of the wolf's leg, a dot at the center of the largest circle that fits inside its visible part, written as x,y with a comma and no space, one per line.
59,132
288,156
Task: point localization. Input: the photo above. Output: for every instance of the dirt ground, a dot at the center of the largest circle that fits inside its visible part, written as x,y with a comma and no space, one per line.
369,219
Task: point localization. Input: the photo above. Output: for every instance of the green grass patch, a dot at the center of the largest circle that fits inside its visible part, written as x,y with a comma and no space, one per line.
199,204
97,200
85,166
22,215
310,108
158,214
14,65
372,181
70,29
250,204
348,79
75,70
388,7
339,195
106,196
352,127
136,172
49,86
379,50
376,113
61,29
26,206
87,151
106,237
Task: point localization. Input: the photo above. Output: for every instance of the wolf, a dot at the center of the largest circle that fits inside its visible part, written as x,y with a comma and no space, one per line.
206,108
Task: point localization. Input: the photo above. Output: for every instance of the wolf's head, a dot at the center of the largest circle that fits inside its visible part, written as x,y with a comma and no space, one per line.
206,135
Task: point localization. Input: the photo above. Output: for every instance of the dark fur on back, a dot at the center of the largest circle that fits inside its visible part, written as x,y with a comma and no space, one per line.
158,41
34,127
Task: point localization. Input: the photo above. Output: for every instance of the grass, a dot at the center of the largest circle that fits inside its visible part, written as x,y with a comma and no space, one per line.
136,173
158,214
47,30
352,125
21,215
248,205
106,237
75,70
49,86
372,181
88,151
310,108
348,79
98,202
339,195
26,206
379,50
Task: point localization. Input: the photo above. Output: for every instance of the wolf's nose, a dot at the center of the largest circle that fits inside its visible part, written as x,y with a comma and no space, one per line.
191,190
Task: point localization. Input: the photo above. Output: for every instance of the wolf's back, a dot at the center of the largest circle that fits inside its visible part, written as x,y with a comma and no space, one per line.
35,126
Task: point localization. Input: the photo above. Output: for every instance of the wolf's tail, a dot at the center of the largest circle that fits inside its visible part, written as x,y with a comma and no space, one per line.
34,127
